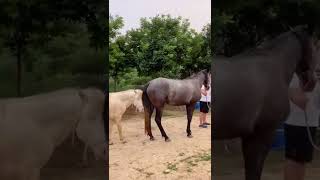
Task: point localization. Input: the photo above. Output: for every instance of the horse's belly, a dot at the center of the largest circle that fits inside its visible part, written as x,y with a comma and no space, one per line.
179,100
231,129
233,120
33,149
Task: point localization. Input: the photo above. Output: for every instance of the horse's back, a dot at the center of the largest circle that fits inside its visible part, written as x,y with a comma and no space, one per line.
117,105
44,105
173,91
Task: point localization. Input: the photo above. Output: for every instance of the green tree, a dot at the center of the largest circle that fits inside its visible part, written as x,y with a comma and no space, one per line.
238,26
164,46
36,22
117,56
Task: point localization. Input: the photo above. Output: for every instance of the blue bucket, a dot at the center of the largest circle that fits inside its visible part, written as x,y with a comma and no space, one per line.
279,141
197,106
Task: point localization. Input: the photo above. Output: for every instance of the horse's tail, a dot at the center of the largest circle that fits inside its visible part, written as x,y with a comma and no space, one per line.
148,109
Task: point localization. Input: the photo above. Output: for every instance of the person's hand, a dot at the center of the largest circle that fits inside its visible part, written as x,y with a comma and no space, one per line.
204,92
298,97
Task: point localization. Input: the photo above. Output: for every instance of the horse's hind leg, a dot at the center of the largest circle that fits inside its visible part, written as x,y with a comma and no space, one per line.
158,121
190,109
148,115
255,149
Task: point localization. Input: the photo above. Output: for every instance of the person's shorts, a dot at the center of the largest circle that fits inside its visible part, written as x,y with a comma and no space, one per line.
297,144
204,107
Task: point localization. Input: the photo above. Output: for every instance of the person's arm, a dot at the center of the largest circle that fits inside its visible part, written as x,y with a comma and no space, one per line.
298,97
203,91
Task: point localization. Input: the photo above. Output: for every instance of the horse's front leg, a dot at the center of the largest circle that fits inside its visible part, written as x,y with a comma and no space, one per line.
255,149
190,109
118,122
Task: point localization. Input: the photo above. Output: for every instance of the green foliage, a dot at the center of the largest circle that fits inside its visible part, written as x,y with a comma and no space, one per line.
240,25
45,33
162,46
129,80
115,24
165,46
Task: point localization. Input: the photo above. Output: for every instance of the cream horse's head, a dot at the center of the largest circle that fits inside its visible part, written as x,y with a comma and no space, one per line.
137,102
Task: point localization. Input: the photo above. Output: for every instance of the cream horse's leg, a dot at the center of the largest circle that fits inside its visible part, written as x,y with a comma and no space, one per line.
110,131
118,122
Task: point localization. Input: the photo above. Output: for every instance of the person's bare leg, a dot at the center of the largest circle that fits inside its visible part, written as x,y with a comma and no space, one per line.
204,118
201,118
294,170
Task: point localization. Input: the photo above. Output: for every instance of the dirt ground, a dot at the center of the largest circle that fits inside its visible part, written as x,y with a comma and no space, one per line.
229,165
182,158
65,164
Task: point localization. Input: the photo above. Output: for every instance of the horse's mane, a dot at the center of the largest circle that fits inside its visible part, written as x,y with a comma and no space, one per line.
272,43
194,75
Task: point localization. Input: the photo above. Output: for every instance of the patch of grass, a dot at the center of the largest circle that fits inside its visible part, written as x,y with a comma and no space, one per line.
172,167
205,157
191,163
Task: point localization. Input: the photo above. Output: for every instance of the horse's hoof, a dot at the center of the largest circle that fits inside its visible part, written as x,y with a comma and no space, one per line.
151,138
189,136
123,142
167,140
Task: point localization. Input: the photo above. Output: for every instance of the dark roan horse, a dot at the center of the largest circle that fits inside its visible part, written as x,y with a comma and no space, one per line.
161,91
251,93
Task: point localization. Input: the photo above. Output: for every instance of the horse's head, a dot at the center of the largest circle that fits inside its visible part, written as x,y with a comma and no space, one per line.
90,128
138,100
306,65
206,81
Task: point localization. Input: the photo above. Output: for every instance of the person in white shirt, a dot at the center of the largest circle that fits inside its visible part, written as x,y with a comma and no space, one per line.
298,148
204,106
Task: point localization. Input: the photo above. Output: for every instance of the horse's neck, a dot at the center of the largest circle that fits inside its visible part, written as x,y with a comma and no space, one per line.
285,56
200,80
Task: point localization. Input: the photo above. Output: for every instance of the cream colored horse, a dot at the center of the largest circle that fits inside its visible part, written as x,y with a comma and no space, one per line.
118,104
32,127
